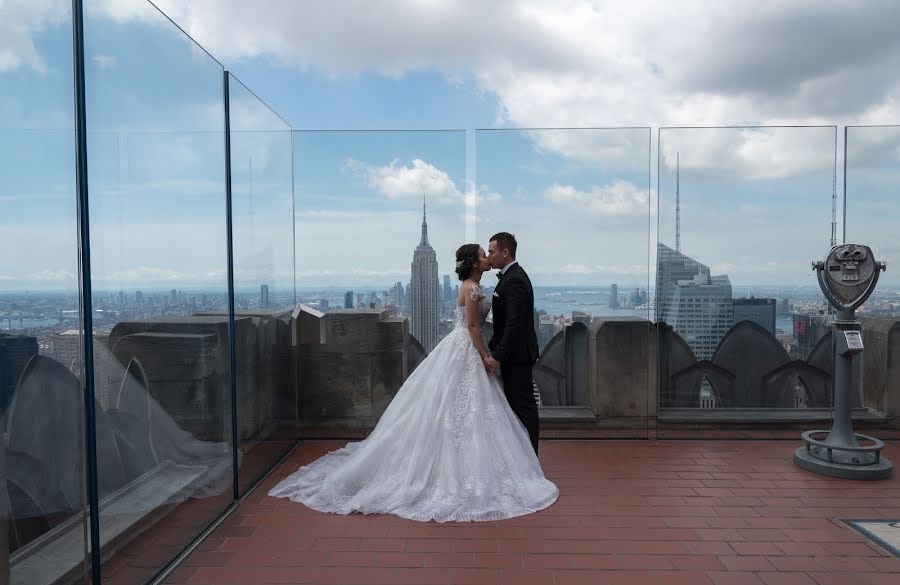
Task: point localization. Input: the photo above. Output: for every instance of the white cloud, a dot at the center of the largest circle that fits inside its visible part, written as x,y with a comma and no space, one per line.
339,214
349,274
398,181
569,63
140,274
582,63
622,148
19,19
480,195
616,199
44,277
749,153
591,270
104,61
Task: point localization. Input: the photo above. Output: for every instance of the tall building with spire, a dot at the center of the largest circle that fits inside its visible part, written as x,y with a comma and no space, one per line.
695,303
424,288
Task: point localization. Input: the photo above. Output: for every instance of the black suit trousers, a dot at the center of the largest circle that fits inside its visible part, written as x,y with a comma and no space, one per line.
518,387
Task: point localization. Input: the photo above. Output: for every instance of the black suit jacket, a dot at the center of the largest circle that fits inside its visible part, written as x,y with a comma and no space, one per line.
514,340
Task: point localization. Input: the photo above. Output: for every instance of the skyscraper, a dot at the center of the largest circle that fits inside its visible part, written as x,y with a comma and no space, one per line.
698,306
348,299
808,329
614,296
397,294
784,307
581,317
15,351
448,292
760,311
424,290
264,296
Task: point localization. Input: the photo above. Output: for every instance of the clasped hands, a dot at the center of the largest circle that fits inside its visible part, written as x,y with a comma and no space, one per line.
490,364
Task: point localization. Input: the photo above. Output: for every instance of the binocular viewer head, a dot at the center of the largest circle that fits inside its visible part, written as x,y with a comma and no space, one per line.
848,275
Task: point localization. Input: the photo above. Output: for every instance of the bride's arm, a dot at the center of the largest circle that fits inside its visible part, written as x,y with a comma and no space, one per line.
473,319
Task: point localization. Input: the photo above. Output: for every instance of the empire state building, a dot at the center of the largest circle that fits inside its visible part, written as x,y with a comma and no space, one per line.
424,289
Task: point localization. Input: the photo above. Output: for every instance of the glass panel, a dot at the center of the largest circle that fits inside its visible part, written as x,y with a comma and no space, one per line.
42,462
872,212
742,213
578,203
367,259
155,115
263,239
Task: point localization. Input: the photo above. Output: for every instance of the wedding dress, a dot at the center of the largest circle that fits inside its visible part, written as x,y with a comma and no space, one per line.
448,448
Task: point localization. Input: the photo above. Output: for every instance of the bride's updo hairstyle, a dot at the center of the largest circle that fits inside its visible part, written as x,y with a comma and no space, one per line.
466,260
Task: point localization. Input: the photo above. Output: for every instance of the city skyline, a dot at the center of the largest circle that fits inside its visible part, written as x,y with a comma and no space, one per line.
382,195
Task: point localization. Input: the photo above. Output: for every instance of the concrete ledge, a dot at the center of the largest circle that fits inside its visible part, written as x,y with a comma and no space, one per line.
58,555
759,416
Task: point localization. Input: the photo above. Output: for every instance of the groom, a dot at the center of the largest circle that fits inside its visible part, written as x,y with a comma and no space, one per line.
513,346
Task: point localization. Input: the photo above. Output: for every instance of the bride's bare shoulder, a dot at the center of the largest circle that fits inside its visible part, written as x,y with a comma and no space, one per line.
474,291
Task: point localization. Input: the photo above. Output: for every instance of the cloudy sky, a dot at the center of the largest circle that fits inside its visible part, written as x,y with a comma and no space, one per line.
756,202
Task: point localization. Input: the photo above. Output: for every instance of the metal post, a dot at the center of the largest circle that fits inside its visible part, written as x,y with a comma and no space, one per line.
84,277
293,220
232,342
4,515
844,219
842,428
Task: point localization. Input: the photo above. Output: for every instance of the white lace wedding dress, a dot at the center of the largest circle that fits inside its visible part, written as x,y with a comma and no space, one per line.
448,448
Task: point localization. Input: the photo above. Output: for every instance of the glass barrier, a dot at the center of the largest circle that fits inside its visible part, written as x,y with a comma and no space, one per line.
379,216
872,176
741,321
42,452
578,202
156,156
262,203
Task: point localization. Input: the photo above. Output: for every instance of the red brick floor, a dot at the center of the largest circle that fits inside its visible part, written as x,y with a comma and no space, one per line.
629,512
140,559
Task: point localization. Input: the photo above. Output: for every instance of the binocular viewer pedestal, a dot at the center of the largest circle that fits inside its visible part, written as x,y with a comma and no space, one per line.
847,277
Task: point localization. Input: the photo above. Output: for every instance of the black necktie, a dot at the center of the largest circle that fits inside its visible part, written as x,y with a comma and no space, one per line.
499,276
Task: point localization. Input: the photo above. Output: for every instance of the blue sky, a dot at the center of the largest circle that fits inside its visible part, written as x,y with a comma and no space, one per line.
579,199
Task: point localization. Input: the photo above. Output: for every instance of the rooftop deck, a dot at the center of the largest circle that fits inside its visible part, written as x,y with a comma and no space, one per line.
629,512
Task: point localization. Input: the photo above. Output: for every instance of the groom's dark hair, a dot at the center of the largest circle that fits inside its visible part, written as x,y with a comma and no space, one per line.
505,241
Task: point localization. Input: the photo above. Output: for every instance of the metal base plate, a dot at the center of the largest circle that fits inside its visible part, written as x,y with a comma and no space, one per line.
809,462
886,533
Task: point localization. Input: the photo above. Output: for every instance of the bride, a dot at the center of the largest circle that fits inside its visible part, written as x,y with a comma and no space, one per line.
447,448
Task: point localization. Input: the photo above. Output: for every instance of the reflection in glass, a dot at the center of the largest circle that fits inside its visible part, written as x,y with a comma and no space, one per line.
263,243
578,203
156,159
872,208
741,320
42,457
873,182
379,218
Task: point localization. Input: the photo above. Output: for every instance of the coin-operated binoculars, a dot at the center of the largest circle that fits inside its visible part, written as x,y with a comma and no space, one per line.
847,278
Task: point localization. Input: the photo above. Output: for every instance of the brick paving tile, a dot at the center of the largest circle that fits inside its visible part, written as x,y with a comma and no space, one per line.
672,512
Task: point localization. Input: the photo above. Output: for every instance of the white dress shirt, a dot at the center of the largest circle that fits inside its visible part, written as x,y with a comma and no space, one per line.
508,266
